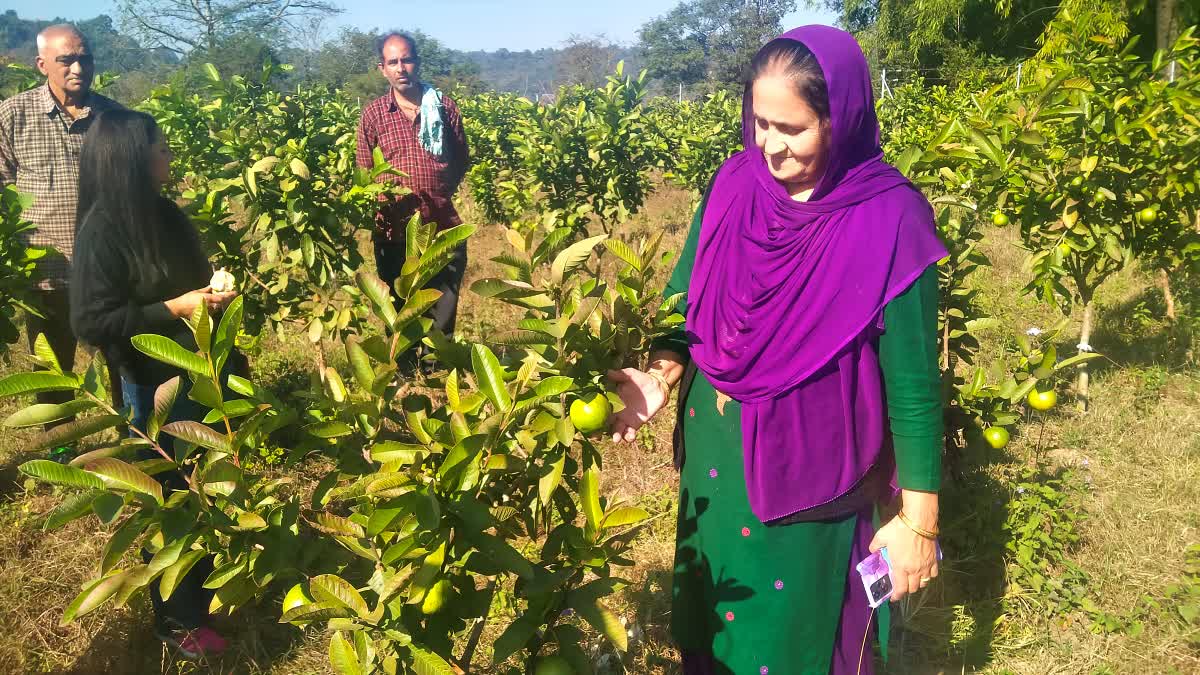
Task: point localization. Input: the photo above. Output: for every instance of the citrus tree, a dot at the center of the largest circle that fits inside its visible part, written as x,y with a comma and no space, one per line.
586,156
1086,159
696,137
945,160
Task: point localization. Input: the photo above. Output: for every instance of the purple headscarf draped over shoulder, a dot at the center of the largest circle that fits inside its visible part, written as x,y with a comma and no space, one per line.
786,298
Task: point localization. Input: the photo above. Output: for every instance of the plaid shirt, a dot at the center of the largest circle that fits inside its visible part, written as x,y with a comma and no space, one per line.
433,180
39,153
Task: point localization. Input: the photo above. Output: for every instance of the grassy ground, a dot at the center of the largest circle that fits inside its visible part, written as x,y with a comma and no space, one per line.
1135,456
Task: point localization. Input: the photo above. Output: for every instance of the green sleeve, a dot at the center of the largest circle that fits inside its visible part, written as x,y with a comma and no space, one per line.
912,380
676,340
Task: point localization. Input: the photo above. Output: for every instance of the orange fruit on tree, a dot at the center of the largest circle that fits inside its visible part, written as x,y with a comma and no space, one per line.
1042,400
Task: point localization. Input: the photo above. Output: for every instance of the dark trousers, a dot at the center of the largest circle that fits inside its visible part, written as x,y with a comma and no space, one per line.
55,324
389,260
187,608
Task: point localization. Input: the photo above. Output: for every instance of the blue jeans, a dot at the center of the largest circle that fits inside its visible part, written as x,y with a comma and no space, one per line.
187,608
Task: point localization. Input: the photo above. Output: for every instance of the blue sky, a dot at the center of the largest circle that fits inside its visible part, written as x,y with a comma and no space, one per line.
471,24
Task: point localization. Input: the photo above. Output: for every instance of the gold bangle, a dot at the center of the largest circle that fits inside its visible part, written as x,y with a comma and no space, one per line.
661,380
928,534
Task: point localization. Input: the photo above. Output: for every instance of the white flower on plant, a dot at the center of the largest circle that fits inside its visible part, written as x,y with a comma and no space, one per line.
1083,347
222,281
1034,332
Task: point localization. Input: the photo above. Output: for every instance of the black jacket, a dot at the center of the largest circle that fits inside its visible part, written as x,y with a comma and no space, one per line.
113,299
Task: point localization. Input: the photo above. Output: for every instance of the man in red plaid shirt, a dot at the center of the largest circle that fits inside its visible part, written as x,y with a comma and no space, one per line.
420,132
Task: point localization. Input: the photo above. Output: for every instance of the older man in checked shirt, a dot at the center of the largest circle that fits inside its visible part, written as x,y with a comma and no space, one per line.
41,134
393,124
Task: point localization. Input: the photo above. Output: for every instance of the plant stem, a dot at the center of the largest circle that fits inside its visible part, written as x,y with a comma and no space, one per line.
1085,335
1164,282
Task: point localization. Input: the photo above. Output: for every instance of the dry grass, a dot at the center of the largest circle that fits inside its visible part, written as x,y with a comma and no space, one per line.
1141,444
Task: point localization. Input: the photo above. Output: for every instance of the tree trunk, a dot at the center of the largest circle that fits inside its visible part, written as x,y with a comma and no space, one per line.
1085,336
1164,282
1166,23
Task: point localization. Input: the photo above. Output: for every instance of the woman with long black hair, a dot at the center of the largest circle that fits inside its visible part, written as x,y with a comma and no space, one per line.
139,268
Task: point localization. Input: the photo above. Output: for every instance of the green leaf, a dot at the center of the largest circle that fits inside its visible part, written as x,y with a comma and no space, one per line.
250,179
395,584
122,476
380,296
314,611
331,429
386,452
200,434
201,327
44,355
242,386
624,252
225,573
249,521
73,507
168,351
177,571
36,383
1075,360
428,663
164,400
59,474
553,386
299,168
360,363
603,620
988,148
514,638
342,656
227,331
68,433
417,305
490,376
107,507
573,257
629,515
332,588
42,413
521,338
503,553
589,498
1112,246
548,483
120,542
212,73
94,595
337,525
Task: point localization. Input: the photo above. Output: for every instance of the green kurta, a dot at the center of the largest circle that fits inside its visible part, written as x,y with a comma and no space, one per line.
769,599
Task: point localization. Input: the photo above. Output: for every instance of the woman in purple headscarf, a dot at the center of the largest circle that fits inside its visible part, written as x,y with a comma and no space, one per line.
808,376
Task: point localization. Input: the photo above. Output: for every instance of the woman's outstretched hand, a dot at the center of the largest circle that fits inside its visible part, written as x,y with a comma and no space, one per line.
643,396
185,305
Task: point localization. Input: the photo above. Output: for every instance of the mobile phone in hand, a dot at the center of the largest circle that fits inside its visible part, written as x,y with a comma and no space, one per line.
876,573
